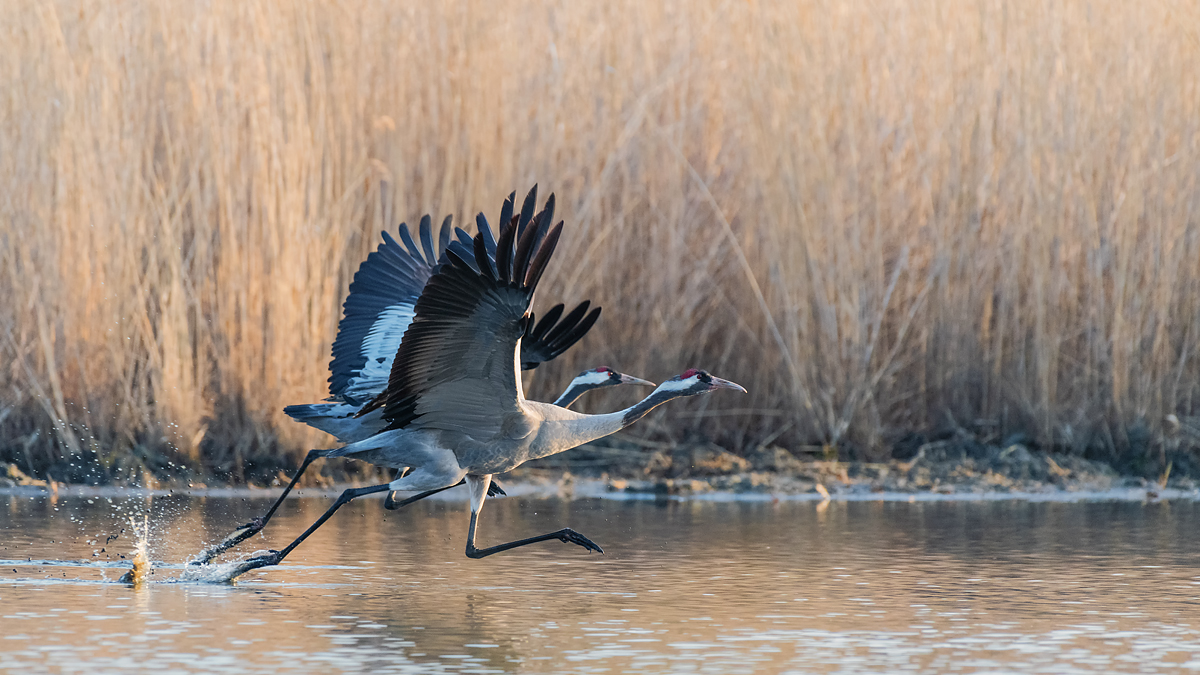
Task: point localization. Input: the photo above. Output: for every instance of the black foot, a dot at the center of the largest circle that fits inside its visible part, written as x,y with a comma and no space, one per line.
272,558
494,490
565,535
569,536
236,537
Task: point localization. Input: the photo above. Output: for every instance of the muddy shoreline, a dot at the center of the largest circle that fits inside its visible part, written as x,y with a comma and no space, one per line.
589,488
935,471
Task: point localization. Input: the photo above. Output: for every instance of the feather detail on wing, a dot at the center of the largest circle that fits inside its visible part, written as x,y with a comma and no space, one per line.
549,338
456,368
378,310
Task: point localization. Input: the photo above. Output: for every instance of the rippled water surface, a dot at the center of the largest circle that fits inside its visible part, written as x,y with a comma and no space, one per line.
683,587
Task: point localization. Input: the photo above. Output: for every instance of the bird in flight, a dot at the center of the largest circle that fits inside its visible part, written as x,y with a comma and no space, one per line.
454,406
377,311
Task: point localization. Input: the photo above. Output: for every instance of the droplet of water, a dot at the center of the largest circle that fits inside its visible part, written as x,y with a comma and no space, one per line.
141,559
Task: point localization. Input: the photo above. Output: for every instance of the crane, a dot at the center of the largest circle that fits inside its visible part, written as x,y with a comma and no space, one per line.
454,404
377,311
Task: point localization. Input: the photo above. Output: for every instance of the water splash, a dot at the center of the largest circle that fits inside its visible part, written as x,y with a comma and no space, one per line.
221,572
141,558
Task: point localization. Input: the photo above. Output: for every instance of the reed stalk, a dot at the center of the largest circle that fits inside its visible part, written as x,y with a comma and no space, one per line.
881,217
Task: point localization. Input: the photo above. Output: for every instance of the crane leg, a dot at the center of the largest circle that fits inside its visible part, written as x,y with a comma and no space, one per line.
276,557
254,526
392,504
479,487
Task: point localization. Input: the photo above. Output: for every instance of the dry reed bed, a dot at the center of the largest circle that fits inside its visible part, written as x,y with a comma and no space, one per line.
879,216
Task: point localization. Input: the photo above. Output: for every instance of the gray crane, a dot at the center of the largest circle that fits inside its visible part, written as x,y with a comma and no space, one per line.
454,403
378,310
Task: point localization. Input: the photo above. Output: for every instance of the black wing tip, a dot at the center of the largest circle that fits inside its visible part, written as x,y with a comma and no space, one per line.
505,252
482,259
459,257
546,342
568,322
485,230
444,236
462,236
542,258
548,320
430,255
527,208
506,210
520,263
406,237
577,332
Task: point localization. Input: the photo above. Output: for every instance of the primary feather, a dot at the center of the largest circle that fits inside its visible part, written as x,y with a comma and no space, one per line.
458,359
383,297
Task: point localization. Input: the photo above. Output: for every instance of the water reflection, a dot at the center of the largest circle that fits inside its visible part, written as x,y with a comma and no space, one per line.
688,587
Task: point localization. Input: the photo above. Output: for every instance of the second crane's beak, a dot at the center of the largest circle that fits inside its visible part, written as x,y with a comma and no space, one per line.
718,383
629,379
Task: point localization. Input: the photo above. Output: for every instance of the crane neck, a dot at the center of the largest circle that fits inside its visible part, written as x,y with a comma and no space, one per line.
572,429
572,394
643,407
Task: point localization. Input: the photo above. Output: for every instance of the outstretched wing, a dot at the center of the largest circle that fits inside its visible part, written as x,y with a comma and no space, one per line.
384,293
547,339
456,368
378,310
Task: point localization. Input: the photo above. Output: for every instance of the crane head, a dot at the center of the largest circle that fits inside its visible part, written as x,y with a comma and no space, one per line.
693,381
604,376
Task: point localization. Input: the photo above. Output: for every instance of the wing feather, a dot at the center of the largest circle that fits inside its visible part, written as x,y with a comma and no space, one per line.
456,368
444,235
548,340
504,254
427,239
413,251
485,230
568,322
543,327
527,209
375,315
506,211
383,297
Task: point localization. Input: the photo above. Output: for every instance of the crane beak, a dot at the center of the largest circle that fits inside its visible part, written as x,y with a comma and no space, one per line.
718,383
629,379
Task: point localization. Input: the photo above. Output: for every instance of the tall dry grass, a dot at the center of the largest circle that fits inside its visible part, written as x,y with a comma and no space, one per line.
880,216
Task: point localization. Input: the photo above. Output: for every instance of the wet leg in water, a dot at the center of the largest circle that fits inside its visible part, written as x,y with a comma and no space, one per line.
255,526
276,557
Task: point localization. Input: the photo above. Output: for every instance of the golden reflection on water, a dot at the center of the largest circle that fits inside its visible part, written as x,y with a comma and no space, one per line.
684,587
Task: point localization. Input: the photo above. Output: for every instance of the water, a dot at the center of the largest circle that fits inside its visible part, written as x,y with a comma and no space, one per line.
684,587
